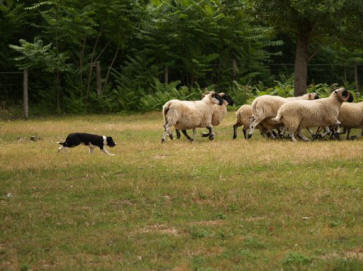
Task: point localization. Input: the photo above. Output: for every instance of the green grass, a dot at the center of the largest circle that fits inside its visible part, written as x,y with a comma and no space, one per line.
221,205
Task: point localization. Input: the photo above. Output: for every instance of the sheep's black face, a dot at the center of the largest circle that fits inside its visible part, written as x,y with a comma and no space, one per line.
110,142
347,96
316,97
218,97
228,99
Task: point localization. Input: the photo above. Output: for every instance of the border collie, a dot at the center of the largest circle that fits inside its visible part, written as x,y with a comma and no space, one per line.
89,140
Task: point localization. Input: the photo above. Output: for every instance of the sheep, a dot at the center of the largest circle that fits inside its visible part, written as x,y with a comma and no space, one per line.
219,112
244,116
299,114
185,115
351,116
265,107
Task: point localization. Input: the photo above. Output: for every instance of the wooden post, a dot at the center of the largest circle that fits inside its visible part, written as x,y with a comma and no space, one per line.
26,94
99,82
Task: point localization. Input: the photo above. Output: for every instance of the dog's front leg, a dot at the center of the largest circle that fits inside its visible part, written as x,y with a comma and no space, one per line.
107,152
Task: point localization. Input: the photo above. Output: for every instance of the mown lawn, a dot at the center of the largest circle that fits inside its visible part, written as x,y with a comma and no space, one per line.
221,205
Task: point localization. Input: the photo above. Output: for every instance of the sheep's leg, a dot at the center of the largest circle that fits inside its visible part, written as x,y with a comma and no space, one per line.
300,135
186,134
177,133
310,132
235,126
327,131
166,133
271,134
205,134
292,136
211,132
282,131
316,135
348,133
253,125
244,132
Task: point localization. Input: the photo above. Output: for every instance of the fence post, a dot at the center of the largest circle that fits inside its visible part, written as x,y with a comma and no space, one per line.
26,94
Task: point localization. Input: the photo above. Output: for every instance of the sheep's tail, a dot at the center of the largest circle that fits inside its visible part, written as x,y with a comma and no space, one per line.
170,115
278,116
166,108
257,110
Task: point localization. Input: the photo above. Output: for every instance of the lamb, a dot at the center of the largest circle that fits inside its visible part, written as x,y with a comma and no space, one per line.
219,112
351,116
265,107
299,114
185,115
244,116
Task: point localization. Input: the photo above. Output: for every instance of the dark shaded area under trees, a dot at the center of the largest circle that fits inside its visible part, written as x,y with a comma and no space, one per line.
118,55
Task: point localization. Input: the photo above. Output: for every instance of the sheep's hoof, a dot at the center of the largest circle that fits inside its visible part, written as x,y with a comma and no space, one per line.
234,137
211,137
162,140
249,136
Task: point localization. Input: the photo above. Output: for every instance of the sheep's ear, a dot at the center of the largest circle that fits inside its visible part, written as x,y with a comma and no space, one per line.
310,96
345,93
351,98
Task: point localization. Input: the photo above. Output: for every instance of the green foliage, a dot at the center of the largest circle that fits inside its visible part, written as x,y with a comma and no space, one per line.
38,55
145,45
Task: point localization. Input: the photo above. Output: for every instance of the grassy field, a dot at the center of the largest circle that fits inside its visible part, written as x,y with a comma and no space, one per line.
221,205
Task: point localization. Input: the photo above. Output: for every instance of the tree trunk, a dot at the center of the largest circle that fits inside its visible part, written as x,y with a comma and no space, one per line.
301,64
99,79
302,58
356,79
26,94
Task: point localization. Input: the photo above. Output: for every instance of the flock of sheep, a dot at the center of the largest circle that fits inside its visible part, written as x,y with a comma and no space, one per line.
274,116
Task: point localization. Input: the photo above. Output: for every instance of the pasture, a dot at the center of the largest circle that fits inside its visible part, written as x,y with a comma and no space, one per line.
221,205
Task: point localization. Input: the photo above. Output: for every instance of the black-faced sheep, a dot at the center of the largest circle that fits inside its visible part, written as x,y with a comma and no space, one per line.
299,114
265,107
184,115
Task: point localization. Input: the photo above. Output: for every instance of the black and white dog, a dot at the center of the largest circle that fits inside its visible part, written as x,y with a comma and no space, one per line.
89,140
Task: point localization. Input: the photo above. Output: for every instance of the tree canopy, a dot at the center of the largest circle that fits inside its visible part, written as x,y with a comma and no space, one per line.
111,55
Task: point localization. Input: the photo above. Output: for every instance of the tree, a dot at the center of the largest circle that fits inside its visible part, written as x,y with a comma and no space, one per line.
310,22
